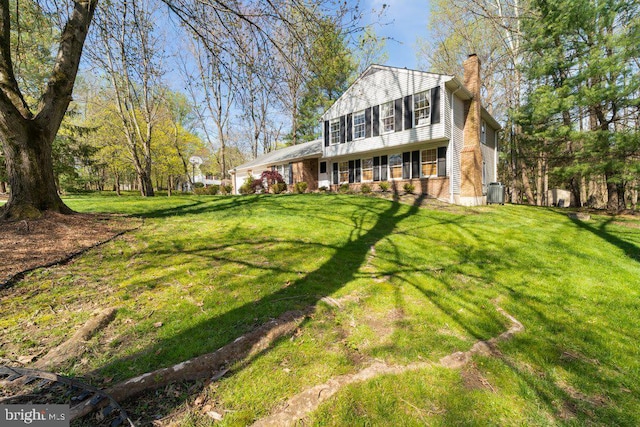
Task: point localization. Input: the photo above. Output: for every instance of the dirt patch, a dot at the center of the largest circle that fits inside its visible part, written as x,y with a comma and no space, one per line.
52,239
473,379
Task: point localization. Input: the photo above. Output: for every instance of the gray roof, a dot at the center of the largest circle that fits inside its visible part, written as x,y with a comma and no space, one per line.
286,154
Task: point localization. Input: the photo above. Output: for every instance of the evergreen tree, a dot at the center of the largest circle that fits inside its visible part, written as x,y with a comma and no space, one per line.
582,107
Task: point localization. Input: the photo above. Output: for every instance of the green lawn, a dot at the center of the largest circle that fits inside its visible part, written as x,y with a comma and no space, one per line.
414,285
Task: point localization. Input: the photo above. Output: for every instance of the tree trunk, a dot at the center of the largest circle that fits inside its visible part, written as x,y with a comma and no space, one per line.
117,183
27,137
170,185
30,170
3,187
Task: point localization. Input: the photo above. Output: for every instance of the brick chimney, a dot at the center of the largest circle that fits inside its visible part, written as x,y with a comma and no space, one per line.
471,154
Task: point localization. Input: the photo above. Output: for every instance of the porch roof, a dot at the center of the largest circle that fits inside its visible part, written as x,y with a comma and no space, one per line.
287,154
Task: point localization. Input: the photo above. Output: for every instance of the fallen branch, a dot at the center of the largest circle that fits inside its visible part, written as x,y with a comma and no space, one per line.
204,366
309,400
75,346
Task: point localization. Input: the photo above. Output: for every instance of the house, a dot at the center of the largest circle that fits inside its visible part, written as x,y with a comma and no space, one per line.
402,126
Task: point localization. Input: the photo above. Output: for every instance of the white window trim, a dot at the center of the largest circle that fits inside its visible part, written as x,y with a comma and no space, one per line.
332,133
364,125
390,168
340,171
434,162
427,120
362,169
483,132
392,116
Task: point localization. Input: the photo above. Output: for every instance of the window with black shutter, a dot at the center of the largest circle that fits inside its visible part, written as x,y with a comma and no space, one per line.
376,168
367,123
326,133
408,112
335,173
342,130
383,167
442,161
290,173
406,165
323,167
435,105
398,114
375,120
352,167
358,171
415,164
349,128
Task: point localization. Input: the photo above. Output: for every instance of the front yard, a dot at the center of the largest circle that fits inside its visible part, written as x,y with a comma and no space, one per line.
390,285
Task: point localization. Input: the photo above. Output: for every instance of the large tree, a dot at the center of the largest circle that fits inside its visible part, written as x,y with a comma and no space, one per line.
27,134
583,104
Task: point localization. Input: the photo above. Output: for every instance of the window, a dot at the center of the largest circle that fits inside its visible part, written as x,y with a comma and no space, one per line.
367,169
358,125
483,132
323,167
421,108
429,162
387,117
334,130
344,171
395,165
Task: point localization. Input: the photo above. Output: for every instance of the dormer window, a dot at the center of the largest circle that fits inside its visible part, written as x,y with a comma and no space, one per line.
421,108
387,117
358,125
334,131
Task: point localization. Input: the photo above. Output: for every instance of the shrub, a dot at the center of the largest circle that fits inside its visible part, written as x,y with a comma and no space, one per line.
384,186
300,187
278,187
198,185
409,188
323,188
344,188
211,190
248,187
226,189
365,188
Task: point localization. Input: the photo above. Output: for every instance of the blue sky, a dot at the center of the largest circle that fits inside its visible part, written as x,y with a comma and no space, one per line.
407,21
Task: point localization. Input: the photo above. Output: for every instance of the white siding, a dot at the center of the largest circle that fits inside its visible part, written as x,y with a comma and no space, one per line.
446,112
458,141
488,155
389,140
383,85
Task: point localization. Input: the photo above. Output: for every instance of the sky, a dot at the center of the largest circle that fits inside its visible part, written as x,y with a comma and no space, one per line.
403,23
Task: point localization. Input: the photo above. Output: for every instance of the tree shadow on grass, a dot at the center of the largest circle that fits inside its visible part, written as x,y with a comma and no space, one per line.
630,249
341,268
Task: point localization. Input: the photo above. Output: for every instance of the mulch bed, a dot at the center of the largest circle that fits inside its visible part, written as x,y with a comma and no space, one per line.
54,238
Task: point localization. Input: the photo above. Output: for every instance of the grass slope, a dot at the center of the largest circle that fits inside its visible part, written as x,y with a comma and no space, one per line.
413,284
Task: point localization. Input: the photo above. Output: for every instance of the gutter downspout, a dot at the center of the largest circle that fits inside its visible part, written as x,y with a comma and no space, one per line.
451,145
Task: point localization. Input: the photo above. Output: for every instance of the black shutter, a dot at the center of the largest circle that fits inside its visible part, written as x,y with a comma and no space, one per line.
383,168
349,127
290,173
335,173
323,167
367,123
408,111
342,130
376,120
326,133
406,165
398,114
415,164
358,171
435,105
352,167
376,168
442,161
